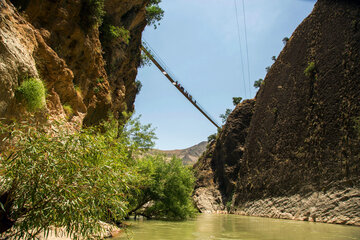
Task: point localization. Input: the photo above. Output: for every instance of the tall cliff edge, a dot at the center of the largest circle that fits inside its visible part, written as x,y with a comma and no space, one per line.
59,43
301,154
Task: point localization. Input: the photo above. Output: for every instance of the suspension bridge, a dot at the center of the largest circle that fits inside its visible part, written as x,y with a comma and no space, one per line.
151,54
162,67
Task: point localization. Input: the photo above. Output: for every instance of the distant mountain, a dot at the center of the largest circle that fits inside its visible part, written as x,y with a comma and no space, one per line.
189,155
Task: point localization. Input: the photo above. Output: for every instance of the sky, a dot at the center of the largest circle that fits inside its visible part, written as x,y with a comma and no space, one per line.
200,43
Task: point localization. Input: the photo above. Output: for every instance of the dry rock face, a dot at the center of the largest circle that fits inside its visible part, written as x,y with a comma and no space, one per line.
301,157
218,168
57,42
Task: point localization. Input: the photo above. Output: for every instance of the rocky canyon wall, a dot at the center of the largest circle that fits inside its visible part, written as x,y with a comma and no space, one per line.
60,43
301,153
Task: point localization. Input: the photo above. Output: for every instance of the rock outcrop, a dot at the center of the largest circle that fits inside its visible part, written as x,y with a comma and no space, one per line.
301,155
218,168
59,42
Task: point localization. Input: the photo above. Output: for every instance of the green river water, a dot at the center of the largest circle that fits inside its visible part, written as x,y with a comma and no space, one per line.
223,227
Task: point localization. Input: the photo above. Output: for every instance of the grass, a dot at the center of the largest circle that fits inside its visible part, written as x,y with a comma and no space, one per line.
68,110
31,92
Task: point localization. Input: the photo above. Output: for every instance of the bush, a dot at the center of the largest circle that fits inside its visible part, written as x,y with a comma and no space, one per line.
258,83
138,85
285,40
166,189
154,13
110,33
32,93
225,116
68,180
310,71
92,13
68,110
237,100
212,137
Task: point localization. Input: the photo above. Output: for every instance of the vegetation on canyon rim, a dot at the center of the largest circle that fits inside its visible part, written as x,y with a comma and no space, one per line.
74,181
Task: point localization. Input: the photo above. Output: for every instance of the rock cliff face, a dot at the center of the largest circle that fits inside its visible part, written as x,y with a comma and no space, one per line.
58,42
301,155
218,168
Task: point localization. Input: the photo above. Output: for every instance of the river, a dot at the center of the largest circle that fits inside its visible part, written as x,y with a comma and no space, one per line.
223,227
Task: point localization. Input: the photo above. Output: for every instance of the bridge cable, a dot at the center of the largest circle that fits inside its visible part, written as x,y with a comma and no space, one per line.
240,48
247,49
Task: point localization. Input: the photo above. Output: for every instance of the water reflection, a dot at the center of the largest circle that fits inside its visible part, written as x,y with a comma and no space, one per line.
223,227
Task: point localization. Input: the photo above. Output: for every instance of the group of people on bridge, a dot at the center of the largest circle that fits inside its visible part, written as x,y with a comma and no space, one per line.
178,85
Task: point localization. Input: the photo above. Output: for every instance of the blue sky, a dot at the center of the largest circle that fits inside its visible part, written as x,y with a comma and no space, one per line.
198,41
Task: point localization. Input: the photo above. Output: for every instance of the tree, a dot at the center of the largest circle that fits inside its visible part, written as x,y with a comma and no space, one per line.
237,100
154,13
212,137
273,58
285,40
66,180
165,189
258,83
225,116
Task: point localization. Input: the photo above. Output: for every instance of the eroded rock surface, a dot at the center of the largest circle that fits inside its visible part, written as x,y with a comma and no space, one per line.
300,156
58,43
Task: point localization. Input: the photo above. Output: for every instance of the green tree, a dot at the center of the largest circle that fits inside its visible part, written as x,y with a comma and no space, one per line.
225,116
237,100
154,13
164,189
212,137
92,13
285,40
258,83
66,180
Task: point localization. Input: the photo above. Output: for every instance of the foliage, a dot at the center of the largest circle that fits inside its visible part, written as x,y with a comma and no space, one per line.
154,13
92,13
228,206
32,93
237,100
258,83
285,40
144,60
78,90
212,137
68,110
110,32
310,71
138,86
166,188
273,58
225,116
67,180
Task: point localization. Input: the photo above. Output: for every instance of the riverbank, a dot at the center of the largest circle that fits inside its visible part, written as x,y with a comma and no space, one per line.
334,206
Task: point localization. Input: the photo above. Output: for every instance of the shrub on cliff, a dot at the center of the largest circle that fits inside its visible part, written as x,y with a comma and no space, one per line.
154,13
32,93
92,13
258,83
